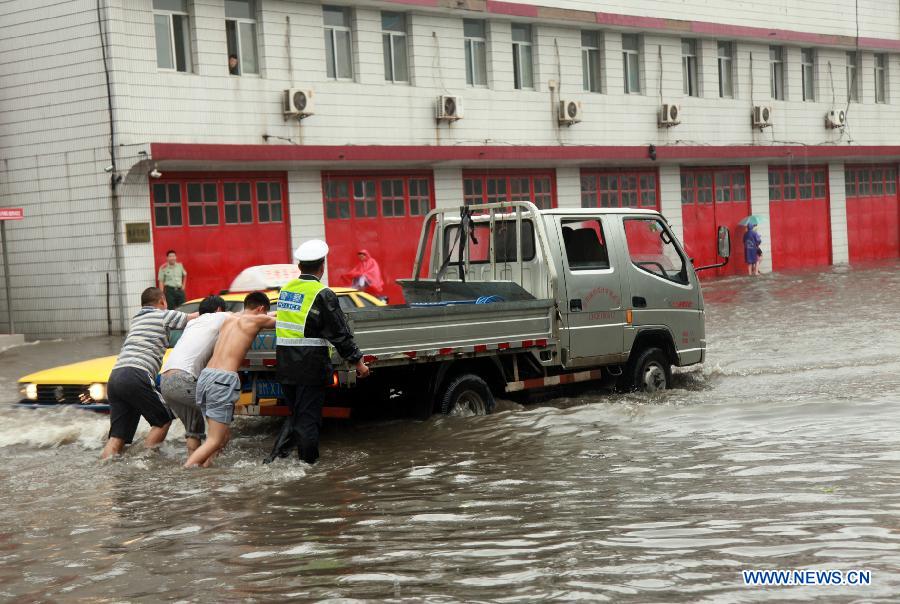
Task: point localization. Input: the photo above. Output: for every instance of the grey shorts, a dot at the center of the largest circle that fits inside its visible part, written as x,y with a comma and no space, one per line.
217,392
179,389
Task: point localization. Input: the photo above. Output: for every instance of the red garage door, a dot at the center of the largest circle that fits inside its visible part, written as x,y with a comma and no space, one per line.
491,186
381,213
219,225
801,228
873,213
710,198
619,189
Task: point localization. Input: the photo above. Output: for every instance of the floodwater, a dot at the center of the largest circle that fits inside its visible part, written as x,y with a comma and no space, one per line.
781,452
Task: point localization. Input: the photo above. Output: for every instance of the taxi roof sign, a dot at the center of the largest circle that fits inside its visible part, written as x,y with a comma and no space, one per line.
12,213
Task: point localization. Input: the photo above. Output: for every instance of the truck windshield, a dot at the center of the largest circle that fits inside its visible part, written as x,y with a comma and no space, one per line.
652,249
504,242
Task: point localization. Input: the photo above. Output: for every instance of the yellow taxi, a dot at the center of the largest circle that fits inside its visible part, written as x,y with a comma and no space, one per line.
84,383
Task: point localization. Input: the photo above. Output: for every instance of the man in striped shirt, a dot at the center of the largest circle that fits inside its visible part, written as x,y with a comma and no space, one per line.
132,388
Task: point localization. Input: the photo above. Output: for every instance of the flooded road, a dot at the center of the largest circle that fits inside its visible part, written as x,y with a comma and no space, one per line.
783,451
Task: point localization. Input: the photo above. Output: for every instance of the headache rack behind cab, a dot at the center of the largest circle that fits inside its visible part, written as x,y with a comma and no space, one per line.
437,287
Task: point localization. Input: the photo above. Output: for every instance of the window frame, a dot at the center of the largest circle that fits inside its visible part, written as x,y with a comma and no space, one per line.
592,61
707,179
683,275
776,73
470,43
690,67
881,75
856,175
808,61
331,204
186,34
507,177
332,30
853,72
518,47
239,41
181,180
596,194
388,38
725,64
797,178
626,72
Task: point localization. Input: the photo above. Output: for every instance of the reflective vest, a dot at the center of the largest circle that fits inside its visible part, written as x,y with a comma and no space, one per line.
294,303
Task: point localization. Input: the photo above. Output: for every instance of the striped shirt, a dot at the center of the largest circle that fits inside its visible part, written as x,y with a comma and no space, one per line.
148,338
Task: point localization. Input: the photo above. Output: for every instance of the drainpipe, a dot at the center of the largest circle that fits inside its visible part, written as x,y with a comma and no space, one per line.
115,178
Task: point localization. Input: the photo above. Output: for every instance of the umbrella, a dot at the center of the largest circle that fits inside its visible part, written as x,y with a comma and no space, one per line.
748,220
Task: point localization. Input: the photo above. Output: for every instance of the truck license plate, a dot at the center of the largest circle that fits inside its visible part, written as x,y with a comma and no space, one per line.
268,389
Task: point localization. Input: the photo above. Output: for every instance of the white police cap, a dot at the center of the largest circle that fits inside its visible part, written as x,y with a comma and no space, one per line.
310,251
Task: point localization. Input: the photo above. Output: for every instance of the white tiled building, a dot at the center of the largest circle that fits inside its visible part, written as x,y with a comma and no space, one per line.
241,183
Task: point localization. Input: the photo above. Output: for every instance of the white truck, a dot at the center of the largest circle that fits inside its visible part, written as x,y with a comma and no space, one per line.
505,297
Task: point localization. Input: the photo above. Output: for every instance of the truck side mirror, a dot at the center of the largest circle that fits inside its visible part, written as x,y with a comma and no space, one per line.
724,242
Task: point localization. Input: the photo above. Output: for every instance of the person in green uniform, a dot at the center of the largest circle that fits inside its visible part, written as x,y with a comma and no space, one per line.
173,280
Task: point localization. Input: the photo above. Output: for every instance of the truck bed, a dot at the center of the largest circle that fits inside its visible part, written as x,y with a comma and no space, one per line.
392,335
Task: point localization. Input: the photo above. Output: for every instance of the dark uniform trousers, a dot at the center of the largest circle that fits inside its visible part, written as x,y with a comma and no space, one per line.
174,296
302,428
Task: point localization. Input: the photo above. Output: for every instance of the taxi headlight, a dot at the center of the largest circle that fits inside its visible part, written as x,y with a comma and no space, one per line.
30,391
97,391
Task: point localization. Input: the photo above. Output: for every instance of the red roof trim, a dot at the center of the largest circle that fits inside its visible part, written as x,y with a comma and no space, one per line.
511,154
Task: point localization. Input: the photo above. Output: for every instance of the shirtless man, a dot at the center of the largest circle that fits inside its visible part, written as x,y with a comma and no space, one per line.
219,385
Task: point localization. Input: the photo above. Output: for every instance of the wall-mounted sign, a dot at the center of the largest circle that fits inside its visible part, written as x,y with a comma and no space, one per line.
12,213
137,232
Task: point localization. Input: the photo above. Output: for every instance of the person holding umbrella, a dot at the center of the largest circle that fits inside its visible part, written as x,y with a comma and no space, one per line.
752,241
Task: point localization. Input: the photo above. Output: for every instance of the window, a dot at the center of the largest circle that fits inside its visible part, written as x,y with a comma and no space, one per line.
393,36
523,68
619,189
590,60
802,183
338,61
505,244
476,52
585,245
880,77
702,185
631,61
203,203
689,67
726,69
538,188
852,77
652,249
386,196
871,181
269,202
240,34
173,35
776,72
808,66
167,204
238,203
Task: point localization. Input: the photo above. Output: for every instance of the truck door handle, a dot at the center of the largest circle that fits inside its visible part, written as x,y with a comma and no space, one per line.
575,305
639,302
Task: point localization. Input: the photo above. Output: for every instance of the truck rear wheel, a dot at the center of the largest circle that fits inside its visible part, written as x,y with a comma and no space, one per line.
650,371
466,395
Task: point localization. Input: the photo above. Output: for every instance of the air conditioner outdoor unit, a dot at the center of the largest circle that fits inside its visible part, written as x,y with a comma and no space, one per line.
298,102
569,112
449,108
669,115
762,116
835,119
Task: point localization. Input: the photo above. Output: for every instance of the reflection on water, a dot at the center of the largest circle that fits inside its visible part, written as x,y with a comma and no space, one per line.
780,452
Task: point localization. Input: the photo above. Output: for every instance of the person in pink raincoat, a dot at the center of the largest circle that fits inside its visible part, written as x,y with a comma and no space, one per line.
366,275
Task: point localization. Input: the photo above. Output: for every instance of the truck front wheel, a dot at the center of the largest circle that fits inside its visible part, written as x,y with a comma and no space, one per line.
465,395
650,371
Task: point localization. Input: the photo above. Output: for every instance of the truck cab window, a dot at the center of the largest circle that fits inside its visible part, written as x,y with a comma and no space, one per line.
652,249
585,245
504,242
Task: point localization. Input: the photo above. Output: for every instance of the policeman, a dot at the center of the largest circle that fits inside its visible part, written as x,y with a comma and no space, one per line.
309,317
